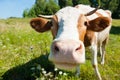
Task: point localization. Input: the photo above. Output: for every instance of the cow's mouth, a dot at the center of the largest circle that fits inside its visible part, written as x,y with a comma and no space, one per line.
66,66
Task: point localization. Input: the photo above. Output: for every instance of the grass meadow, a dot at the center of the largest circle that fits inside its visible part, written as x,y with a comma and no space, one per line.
24,52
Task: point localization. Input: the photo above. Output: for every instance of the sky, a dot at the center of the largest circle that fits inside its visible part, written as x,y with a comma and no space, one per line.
14,8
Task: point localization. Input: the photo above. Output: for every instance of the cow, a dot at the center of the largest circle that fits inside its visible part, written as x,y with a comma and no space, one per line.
73,29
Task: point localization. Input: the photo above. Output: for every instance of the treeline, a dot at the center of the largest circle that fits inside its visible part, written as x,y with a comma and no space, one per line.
48,7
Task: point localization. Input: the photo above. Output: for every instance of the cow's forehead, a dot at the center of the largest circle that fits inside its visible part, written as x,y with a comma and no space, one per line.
68,22
68,14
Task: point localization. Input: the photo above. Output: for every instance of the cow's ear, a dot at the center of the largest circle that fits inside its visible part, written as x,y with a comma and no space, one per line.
98,24
41,24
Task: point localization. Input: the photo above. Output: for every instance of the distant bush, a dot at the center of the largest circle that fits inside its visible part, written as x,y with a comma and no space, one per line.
41,7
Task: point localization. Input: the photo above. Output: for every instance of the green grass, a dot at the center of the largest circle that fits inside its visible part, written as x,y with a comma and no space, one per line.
23,54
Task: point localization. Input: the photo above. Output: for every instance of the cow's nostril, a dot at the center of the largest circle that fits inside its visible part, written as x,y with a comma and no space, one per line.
56,49
78,48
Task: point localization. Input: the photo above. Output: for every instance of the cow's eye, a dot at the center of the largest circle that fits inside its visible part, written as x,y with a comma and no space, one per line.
85,23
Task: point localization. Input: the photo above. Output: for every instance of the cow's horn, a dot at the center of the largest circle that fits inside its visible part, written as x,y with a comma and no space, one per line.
46,16
93,11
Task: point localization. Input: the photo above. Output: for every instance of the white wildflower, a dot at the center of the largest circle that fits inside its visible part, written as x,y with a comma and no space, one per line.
44,72
42,78
4,46
42,69
64,74
55,69
32,39
56,78
31,47
60,72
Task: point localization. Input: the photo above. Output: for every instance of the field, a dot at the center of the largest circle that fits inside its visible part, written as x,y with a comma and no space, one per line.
24,52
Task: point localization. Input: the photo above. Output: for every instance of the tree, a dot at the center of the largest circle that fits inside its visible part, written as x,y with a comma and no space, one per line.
32,12
25,13
116,12
41,7
75,2
51,7
62,3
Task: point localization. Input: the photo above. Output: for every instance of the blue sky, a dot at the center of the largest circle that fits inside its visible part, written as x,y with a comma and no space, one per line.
14,8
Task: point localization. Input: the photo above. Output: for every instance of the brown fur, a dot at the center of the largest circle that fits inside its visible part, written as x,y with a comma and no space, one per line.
89,37
98,24
54,28
81,27
40,24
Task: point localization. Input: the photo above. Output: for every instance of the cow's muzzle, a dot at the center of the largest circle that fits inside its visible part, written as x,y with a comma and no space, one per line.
67,54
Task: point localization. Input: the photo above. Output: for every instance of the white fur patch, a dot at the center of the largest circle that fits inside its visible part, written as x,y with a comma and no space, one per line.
68,21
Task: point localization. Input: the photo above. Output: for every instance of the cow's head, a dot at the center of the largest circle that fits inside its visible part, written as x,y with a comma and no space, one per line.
68,27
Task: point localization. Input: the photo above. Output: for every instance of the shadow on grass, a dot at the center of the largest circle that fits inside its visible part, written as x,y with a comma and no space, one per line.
115,30
24,72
